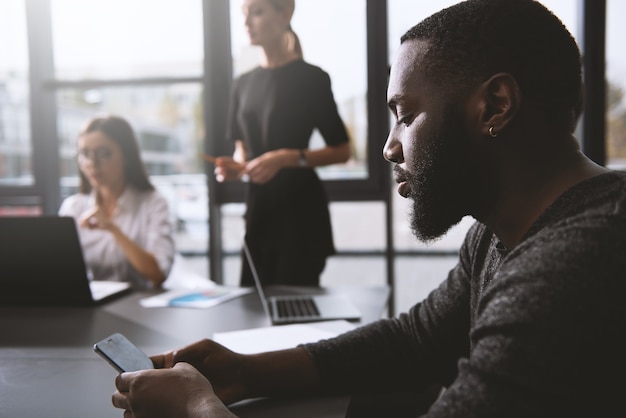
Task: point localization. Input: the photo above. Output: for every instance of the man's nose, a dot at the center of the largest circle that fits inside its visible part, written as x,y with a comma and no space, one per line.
392,151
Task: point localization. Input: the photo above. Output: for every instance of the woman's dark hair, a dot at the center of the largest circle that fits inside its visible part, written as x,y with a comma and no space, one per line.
475,39
119,131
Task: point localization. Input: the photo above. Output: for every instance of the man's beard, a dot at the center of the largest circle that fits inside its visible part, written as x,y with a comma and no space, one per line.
441,179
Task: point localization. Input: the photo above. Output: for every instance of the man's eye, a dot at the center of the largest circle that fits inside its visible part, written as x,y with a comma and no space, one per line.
405,120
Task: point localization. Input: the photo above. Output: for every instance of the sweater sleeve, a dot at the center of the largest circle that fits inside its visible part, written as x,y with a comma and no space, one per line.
535,331
545,339
414,350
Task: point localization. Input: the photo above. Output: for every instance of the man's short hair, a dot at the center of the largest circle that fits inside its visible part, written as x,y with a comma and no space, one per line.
475,39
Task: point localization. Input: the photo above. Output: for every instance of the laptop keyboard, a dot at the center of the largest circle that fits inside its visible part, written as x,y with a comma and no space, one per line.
296,307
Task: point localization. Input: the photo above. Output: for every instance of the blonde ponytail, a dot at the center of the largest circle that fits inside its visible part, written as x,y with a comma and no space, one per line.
293,41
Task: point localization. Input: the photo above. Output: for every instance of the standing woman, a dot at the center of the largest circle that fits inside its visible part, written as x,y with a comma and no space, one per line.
124,224
274,109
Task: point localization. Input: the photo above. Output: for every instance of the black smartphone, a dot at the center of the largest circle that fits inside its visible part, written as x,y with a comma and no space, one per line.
123,355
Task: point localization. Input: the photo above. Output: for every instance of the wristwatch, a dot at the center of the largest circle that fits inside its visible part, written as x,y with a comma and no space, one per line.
302,162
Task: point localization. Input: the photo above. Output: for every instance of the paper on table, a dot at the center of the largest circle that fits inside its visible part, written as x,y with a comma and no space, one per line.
279,337
196,298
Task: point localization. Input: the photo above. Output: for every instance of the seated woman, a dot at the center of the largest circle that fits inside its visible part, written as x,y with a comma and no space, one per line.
123,222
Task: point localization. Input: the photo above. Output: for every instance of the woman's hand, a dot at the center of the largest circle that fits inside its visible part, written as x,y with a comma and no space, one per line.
227,169
142,260
95,218
180,391
263,168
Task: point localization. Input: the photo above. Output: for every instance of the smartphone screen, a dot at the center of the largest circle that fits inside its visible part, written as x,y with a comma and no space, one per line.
123,355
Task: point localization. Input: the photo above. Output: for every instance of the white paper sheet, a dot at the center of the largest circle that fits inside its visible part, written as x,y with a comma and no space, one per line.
197,298
280,336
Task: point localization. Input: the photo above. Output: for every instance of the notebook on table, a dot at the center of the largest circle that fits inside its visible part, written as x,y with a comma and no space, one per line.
289,309
42,264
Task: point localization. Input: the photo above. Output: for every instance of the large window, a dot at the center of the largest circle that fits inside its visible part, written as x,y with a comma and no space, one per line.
119,39
142,60
165,65
333,37
15,142
616,84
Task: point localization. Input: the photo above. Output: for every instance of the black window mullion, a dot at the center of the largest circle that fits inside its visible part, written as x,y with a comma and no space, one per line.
43,105
594,55
217,82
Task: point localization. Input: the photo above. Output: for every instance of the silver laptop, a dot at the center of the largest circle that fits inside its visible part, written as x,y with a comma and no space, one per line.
42,264
289,309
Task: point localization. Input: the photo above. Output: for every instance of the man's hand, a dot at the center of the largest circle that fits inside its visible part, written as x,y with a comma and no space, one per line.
220,365
180,391
235,377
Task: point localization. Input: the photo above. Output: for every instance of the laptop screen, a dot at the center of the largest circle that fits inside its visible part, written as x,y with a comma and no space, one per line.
257,281
42,263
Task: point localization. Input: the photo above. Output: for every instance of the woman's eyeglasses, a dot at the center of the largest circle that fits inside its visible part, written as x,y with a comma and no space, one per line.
99,155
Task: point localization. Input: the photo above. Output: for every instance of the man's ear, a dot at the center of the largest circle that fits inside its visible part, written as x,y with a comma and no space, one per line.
500,100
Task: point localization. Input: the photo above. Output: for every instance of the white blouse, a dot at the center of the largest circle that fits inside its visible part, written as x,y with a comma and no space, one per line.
142,216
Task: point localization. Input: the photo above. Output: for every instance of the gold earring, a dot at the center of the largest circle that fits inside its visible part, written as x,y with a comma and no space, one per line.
492,132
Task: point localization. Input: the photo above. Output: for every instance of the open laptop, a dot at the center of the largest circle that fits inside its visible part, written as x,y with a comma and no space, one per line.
42,264
289,309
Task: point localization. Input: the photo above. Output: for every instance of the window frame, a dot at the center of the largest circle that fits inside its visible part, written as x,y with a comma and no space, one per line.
216,80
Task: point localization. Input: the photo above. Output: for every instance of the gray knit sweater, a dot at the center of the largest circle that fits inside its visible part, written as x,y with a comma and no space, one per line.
535,331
